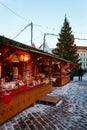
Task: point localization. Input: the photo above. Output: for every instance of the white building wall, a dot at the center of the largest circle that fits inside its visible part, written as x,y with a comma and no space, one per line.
83,59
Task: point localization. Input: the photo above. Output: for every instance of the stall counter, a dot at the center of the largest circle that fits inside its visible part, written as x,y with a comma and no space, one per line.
17,100
61,80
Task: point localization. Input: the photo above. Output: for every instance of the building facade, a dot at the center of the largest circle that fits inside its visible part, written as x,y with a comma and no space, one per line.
82,51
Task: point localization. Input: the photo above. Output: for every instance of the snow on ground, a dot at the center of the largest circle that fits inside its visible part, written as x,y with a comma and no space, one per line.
66,90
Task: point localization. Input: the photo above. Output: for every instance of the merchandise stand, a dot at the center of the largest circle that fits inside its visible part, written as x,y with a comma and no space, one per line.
61,73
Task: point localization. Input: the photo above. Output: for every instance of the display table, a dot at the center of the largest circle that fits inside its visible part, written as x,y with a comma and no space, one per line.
14,101
60,81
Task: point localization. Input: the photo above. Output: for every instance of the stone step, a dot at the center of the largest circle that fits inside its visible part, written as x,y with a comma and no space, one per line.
50,100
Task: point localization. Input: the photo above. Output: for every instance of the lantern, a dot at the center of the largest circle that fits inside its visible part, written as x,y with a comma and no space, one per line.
24,57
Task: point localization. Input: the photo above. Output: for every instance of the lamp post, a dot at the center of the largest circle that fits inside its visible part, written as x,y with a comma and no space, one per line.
31,33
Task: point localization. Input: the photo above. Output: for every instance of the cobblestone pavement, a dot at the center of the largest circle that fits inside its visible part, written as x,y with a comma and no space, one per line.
69,114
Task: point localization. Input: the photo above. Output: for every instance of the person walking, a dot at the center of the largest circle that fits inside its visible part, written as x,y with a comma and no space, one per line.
80,73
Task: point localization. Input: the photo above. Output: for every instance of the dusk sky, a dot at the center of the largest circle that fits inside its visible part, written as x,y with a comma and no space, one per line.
47,16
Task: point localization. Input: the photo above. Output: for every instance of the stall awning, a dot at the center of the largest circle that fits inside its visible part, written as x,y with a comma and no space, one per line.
9,42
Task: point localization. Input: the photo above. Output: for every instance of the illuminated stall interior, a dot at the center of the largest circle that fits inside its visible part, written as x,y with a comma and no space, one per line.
24,66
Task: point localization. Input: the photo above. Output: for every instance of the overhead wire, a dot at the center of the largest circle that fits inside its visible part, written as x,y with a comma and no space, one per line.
81,39
13,11
22,30
44,27
22,16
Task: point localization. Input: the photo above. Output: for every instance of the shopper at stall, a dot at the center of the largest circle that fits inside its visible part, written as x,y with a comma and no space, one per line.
80,73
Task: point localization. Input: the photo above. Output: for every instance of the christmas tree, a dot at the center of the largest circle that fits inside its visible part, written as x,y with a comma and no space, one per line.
65,48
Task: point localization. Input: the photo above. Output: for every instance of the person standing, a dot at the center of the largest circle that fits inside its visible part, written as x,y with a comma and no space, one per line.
80,73
71,74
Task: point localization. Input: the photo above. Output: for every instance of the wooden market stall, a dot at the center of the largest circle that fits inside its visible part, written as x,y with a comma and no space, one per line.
61,73
24,77
26,74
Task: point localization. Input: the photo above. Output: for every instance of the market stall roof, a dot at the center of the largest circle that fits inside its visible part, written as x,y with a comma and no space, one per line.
16,44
